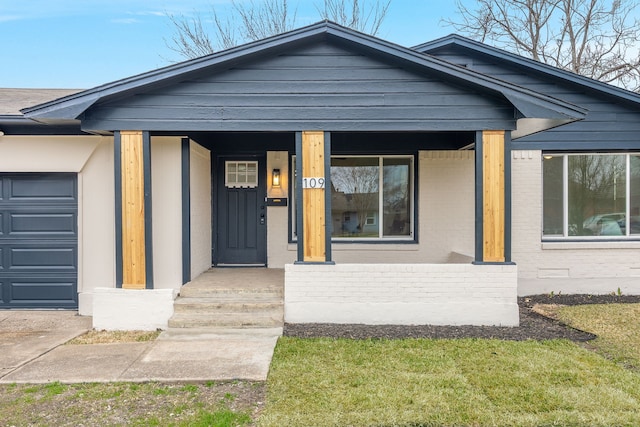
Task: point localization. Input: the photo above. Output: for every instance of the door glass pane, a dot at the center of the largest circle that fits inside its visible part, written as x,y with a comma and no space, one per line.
252,172
597,195
552,201
634,208
355,197
241,174
396,197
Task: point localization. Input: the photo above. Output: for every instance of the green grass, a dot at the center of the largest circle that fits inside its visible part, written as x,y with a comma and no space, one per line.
219,418
616,325
116,404
469,382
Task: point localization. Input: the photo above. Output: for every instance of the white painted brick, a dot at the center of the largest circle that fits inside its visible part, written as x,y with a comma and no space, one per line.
355,292
594,267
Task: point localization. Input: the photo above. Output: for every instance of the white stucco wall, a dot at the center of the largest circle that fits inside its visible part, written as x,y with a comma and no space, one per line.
46,153
166,187
96,251
278,253
567,267
445,218
200,176
91,157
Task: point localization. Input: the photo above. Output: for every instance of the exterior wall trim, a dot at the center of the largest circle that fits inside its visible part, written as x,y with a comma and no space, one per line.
327,195
479,250
148,214
299,204
117,156
186,209
507,197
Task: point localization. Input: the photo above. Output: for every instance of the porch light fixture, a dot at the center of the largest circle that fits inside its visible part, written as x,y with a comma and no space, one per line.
275,178
547,157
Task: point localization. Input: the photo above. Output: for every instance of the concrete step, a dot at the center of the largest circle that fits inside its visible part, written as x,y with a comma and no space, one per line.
229,298
228,303
226,319
216,291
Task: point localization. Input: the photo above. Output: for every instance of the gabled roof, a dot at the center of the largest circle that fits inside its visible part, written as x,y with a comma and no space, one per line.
564,75
530,104
13,99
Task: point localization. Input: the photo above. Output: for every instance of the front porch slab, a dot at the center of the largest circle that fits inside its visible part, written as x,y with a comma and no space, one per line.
402,294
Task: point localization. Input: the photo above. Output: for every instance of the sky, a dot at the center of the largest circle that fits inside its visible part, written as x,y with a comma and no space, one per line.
79,44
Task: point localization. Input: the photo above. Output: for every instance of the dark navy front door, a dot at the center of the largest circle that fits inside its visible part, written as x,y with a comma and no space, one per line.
241,215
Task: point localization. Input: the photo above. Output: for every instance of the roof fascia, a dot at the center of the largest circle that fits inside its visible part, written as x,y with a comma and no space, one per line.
458,40
19,125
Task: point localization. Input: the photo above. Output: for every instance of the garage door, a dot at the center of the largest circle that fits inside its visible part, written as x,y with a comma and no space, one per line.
38,241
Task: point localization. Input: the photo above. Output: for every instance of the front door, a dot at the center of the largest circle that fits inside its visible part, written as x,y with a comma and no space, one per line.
241,214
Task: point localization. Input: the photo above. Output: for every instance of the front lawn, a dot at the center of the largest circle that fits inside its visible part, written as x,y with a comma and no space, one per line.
616,325
217,404
467,382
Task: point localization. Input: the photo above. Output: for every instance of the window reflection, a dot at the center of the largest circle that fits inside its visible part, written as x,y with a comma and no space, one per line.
359,209
553,216
355,197
396,201
586,195
634,196
597,195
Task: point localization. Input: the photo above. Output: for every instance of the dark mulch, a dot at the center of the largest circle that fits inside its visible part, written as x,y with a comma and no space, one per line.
533,326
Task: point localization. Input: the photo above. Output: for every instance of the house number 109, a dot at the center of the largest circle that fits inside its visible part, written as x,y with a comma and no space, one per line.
312,182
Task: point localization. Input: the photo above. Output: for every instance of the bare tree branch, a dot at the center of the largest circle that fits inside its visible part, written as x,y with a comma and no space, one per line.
361,15
248,20
594,38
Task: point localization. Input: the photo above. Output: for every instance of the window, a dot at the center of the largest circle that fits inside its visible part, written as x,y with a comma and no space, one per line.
371,197
371,219
591,195
241,174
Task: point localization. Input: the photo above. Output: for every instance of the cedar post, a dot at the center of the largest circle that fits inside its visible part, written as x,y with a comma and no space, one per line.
133,210
313,196
493,195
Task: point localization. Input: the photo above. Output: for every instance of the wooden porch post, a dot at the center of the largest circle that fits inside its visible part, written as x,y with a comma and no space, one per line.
134,267
490,195
314,239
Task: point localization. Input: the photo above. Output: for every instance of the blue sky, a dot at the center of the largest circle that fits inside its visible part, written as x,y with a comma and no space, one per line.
85,43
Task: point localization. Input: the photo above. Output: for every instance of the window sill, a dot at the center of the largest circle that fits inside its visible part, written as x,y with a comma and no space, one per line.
591,244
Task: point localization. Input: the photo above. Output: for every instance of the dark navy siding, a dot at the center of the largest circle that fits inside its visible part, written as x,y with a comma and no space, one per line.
611,123
323,86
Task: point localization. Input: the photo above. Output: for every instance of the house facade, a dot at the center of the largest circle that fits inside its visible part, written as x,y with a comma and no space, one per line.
429,185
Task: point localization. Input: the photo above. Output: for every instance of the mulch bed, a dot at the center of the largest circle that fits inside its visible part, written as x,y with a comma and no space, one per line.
533,326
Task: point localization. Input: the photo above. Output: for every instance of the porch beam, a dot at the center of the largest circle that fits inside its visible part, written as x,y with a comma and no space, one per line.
134,258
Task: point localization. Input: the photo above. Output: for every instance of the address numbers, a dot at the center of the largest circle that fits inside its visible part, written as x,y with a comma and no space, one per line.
312,182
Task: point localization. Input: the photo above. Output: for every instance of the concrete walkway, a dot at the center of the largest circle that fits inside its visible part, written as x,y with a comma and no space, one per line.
32,344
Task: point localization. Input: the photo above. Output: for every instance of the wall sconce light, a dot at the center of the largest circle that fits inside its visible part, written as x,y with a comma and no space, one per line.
275,178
